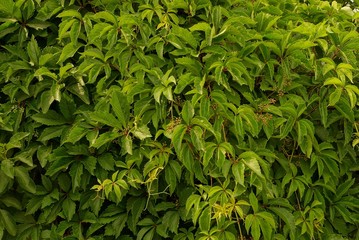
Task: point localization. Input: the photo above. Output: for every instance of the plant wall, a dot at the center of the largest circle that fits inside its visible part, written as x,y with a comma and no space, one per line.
179,119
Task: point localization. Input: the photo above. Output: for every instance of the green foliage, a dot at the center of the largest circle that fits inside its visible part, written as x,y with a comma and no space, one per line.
182,119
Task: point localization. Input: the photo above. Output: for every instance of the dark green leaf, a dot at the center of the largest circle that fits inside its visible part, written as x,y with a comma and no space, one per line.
121,107
8,222
50,118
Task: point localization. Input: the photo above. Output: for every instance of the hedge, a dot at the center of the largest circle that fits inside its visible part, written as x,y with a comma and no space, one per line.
179,119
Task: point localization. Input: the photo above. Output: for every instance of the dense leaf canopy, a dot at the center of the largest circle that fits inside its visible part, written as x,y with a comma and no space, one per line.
179,119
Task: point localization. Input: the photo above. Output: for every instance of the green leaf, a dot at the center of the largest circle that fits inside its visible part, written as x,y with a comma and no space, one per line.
301,44
287,127
185,35
142,132
90,164
205,219
59,165
177,137
287,217
105,138
204,123
80,91
193,65
70,13
106,16
8,222
50,118
344,108
323,112
186,156
10,201
24,180
106,161
209,153
253,164
68,208
33,51
335,96
127,144
333,81
7,166
50,133
106,118
254,202
201,26
75,133
76,172
7,6
187,112
197,138
68,51
171,220
121,107
238,173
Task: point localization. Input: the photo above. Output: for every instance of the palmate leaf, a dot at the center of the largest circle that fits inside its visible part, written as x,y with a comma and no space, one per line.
86,84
